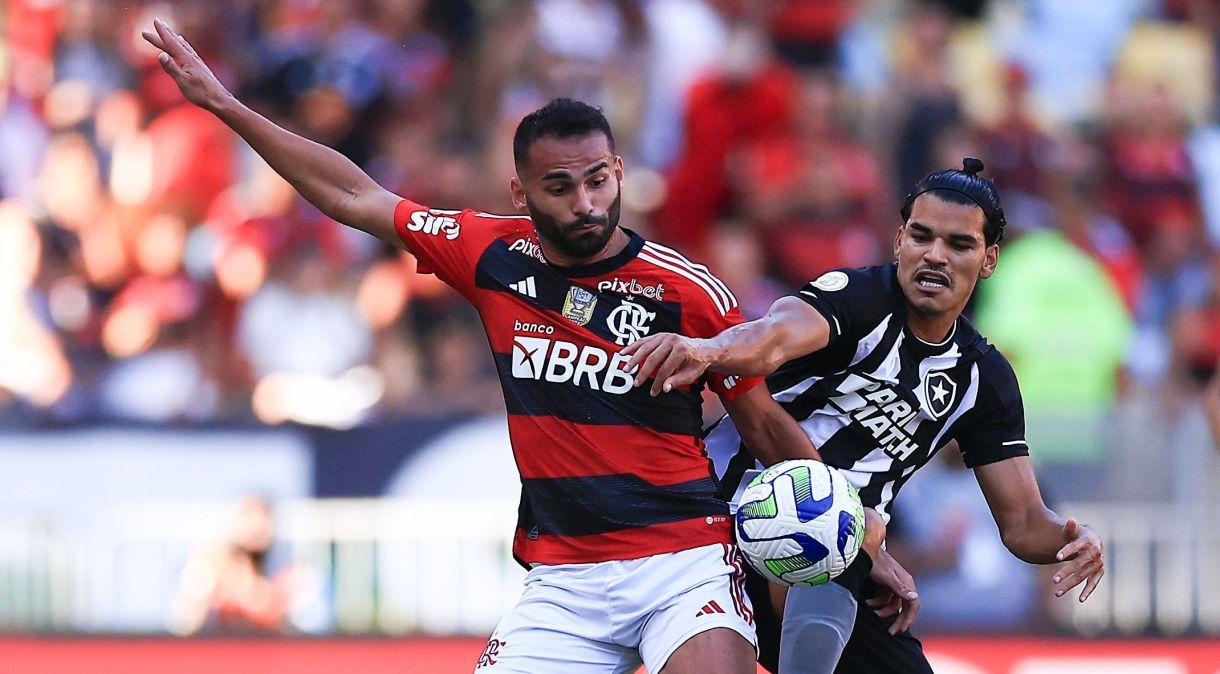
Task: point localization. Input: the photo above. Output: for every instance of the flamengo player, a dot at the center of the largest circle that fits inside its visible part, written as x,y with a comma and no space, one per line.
628,544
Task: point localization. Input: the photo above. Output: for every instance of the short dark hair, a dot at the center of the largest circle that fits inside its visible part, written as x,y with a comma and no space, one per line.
561,118
964,187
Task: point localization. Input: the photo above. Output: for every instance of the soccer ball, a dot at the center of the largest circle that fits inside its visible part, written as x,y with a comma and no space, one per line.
799,522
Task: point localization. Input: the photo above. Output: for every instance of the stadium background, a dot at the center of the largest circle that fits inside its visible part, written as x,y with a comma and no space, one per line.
180,335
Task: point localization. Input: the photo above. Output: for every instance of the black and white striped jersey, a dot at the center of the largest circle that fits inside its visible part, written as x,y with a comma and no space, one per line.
878,401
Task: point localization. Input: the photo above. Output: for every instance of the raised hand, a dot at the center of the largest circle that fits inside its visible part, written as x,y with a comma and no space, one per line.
899,598
668,359
190,73
1086,562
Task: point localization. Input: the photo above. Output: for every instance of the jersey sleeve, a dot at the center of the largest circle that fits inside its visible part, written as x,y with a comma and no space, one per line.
707,312
994,429
449,243
853,301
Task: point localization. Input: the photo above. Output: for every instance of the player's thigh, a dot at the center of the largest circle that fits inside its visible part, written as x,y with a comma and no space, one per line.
818,621
555,629
873,650
718,606
716,651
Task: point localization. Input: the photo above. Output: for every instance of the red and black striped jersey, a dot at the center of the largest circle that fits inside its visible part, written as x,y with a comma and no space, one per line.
608,472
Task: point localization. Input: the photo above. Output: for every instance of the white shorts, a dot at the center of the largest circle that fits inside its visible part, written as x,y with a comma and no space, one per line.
613,616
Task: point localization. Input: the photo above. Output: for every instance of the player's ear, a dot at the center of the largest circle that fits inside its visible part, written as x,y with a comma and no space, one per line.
517,190
618,168
991,258
898,238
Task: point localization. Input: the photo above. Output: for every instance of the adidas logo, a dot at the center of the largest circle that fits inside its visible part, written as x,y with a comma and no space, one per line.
525,287
710,607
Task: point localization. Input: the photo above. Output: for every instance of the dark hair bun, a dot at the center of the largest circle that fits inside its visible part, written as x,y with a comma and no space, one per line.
972,165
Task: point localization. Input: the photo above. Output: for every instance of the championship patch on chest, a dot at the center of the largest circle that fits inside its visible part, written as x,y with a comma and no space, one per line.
578,305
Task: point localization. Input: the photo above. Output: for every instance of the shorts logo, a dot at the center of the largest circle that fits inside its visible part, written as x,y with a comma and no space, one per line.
831,281
632,288
578,305
939,392
435,225
629,322
490,653
709,608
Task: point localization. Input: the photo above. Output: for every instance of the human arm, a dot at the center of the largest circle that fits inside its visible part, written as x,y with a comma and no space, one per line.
324,177
1035,533
790,329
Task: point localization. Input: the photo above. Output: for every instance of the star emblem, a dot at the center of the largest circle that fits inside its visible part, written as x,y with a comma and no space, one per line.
939,392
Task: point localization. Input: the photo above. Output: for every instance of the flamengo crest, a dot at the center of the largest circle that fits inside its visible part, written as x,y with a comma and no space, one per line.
629,322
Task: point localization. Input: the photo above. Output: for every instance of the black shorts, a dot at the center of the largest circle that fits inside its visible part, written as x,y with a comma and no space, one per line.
870,650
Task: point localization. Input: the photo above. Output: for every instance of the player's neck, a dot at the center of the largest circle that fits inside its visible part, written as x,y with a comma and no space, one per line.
931,329
618,241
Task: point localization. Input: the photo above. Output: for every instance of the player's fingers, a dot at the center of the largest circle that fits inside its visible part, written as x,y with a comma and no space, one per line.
169,65
687,374
1094,580
168,38
651,362
1074,548
891,607
661,383
153,39
1089,559
877,602
186,45
635,364
906,617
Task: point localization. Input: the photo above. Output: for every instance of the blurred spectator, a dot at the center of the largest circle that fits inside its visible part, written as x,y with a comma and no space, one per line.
151,329
1150,181
241,584
922,101
1055,314
686,38
807,33
1068,49
738,259
35,369
1075,206
750,99
1211,405
813,192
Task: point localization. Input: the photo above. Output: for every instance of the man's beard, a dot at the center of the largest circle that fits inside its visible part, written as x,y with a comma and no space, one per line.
585,244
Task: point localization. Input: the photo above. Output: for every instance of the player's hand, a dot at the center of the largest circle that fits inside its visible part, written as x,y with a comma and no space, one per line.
670,360
1086,562
899,598
190,73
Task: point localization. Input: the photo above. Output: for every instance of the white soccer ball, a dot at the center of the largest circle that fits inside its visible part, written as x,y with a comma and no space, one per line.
800,522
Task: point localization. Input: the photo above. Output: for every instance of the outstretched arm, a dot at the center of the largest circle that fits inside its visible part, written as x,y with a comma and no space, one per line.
324,177
790,329
1034,533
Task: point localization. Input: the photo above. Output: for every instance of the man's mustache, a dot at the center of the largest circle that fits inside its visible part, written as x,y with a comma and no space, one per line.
587,220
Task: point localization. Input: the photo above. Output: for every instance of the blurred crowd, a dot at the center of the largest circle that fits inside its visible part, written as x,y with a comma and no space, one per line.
155,270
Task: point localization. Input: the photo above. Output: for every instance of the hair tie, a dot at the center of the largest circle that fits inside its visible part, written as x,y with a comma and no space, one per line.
972,165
